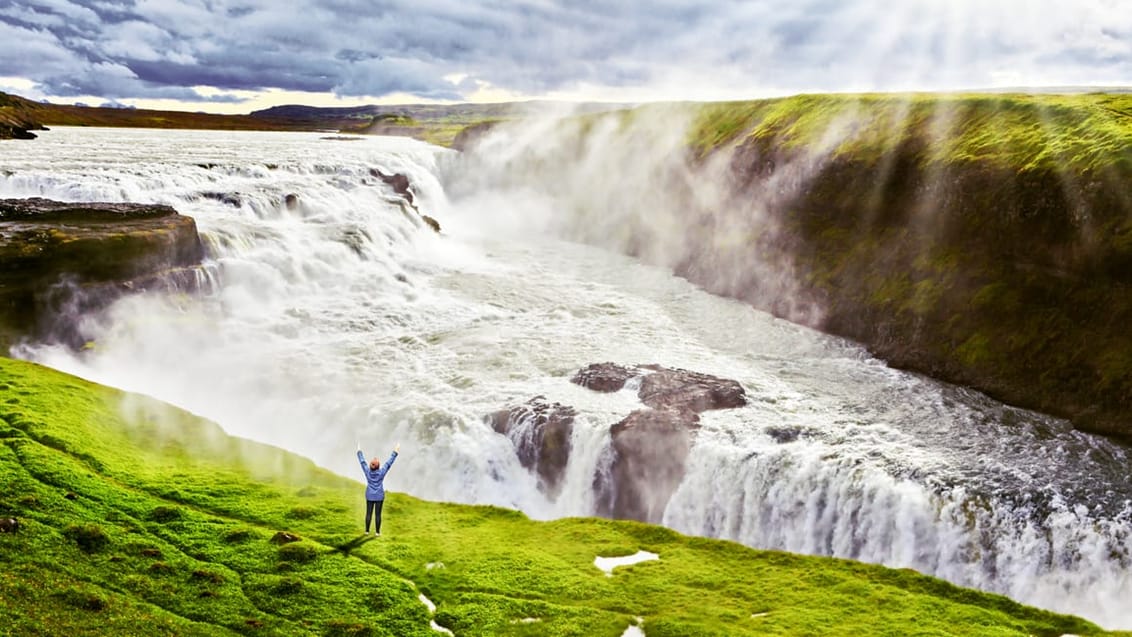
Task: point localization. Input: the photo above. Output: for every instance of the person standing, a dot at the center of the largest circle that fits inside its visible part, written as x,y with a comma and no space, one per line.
375,487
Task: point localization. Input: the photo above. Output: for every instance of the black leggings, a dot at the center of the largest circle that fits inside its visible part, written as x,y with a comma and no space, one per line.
371,507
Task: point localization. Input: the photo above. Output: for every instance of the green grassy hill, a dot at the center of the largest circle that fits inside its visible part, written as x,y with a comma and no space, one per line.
137,518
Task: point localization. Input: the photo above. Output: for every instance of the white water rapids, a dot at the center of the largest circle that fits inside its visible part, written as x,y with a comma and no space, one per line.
344,318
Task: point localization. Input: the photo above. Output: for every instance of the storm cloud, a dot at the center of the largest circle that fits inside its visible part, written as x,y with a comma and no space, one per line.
448,49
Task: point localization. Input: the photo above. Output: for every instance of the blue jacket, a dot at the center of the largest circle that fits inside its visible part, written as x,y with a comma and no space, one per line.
375,489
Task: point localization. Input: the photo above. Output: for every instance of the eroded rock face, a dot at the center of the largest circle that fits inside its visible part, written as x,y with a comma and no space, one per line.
73,257
399,183
541,433
604,377
649,447
404,189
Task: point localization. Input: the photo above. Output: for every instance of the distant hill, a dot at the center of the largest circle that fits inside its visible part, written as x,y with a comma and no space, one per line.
16,111
344,116
439,124
435,123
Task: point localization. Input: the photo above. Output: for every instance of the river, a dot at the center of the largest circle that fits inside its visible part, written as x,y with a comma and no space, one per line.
342,319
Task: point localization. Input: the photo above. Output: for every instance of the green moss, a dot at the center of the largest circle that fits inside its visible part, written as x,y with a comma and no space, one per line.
213,570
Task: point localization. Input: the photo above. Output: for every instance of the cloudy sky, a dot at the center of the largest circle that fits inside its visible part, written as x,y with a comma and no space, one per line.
239,55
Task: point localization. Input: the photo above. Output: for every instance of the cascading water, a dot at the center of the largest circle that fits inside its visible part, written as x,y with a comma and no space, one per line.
337,316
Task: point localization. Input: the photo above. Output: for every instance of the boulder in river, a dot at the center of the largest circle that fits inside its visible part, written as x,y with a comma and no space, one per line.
541,432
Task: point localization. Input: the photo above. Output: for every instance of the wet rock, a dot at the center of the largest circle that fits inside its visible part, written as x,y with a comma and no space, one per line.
432,223
783,435
291,201
663,388
682,389
226,198
649,447
649,450
399,182
604,377
541,432
59,260
9,525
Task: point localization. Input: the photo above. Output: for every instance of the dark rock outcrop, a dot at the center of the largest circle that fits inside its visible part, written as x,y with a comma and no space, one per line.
648,447
404,189
604,377
682,389
541,433
399,182
58,259
664,388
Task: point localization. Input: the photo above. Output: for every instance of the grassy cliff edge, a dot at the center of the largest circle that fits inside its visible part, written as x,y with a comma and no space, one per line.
982,239
139,518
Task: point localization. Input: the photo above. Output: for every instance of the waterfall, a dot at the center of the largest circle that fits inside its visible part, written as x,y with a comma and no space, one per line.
334,316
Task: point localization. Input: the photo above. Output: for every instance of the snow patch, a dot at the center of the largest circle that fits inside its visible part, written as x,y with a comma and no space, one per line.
607,564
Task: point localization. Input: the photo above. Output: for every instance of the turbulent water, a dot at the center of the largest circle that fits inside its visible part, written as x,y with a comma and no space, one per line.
344,319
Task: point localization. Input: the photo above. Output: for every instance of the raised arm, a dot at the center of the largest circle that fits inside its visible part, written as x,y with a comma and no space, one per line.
362,461
388,463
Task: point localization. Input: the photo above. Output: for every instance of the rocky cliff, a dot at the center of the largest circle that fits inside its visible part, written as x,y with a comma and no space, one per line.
983,241
60,259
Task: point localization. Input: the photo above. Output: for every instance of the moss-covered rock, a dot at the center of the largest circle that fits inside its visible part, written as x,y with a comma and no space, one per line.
1005,267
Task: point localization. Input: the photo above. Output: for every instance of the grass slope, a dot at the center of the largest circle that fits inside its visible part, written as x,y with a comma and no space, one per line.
141,519
1083,133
